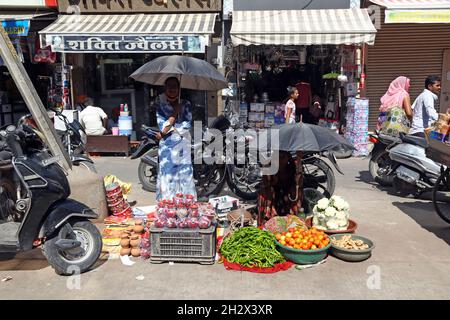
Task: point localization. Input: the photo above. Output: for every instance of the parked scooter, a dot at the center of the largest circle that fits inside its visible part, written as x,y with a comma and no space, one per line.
380,163
35,209
411,171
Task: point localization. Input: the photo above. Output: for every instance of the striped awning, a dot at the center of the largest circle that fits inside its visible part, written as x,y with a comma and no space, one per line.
413,4
302,27
132,24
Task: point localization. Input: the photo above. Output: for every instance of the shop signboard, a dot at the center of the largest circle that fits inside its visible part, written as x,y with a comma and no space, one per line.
148,44
116,6
418,16
28,3
17,28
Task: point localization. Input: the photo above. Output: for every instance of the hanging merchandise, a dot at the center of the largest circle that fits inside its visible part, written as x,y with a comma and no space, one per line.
43,55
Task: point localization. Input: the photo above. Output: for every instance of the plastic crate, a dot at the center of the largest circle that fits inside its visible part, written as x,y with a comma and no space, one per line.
183,245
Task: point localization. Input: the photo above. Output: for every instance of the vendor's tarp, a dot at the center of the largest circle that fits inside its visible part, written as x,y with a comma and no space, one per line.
276,268
302,27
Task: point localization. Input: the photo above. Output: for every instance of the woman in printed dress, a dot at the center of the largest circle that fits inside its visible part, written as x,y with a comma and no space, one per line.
396,96
175,167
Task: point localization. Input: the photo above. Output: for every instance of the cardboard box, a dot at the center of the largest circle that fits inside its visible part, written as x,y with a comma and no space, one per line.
243,113
270,108
257,107
256,116
224,205
243,106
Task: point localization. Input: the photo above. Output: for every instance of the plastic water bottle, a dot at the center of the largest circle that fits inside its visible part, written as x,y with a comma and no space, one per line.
126,107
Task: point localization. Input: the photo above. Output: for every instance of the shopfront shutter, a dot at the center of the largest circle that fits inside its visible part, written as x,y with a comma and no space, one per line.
411,50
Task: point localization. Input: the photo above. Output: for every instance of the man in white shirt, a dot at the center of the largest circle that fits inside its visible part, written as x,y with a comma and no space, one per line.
423,108
93,119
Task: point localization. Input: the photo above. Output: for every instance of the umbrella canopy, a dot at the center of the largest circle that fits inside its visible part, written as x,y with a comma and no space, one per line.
303,137
193,73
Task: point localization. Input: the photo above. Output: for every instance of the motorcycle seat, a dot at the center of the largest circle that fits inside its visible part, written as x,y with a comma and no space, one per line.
417,141
5,156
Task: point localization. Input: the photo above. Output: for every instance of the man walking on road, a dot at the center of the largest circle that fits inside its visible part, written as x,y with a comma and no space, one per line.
423,108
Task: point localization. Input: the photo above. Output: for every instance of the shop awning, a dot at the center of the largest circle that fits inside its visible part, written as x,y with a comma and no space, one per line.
302,27
164,33
132,24
21,15
413,4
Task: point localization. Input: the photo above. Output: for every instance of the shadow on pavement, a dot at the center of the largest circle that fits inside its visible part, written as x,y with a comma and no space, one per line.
423,213
30,261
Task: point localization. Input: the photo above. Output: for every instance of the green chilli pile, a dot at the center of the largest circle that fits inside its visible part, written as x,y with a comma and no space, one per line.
251,247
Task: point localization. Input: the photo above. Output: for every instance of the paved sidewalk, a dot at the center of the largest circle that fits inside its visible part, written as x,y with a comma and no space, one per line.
411,259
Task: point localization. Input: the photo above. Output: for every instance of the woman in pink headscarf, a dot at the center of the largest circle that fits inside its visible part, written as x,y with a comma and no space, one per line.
396,96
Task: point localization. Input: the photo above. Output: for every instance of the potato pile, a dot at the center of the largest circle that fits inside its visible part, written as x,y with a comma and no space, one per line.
346,242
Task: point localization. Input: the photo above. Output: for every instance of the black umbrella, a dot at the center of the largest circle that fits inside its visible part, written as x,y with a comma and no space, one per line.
302,137
193,73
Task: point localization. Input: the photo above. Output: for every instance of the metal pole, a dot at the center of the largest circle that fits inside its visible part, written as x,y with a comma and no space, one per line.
31,98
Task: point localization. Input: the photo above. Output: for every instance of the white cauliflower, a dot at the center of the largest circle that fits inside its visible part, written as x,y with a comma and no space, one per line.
330,212
336,198
342,223
341,215
332,225
323,204
339,204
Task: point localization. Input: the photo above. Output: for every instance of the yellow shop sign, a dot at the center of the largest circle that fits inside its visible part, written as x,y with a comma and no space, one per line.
418,16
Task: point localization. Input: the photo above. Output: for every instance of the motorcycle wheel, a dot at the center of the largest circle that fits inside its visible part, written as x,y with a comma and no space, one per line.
89,166
78,260
237,180
317,174
211,181
380,160
148,176
441,196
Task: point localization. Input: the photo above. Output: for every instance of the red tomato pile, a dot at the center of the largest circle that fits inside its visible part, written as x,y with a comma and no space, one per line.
302,239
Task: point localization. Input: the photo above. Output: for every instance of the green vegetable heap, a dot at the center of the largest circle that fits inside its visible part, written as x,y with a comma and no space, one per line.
251,247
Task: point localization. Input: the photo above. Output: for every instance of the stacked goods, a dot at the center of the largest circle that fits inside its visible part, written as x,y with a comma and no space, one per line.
438,135
256,115
279,114
243,112
183,212
223,206
358,125
331,214
117,205
130,239
251,247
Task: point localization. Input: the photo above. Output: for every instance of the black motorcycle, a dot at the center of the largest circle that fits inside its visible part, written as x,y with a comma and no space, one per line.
208,176
241,175
35,209
73,138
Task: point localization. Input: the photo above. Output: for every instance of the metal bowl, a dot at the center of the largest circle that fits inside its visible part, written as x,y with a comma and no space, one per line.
351,255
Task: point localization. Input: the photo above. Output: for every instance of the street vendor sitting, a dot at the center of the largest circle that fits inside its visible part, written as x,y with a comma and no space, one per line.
93,119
